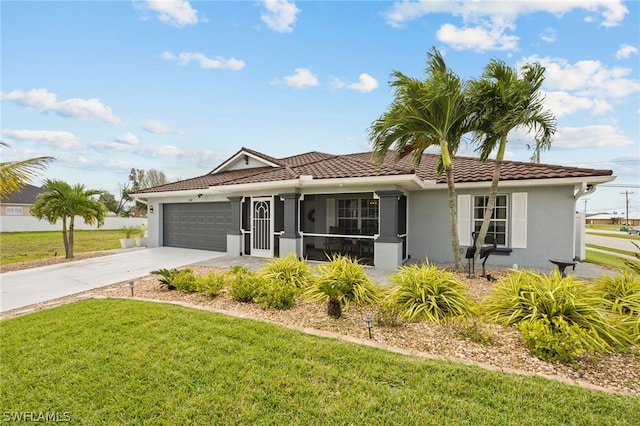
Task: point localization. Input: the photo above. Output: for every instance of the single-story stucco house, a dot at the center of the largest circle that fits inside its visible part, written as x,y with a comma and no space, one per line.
19,202
257,205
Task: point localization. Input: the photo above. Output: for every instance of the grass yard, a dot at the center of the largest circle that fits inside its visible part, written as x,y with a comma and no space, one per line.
130,362
600,258
24,246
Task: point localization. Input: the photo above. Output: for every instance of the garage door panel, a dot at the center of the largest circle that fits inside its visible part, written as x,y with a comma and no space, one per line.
197,225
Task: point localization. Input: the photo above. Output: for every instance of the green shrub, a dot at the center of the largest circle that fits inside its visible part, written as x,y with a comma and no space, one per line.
185,280
387,314
243,284
211,284
166,277
289,269
622,296
427,293
634,265
340,282
276,293
472,328
555,341
526,296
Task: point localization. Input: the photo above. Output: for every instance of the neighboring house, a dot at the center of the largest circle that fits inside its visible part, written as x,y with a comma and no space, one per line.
254,204
19,202
613,219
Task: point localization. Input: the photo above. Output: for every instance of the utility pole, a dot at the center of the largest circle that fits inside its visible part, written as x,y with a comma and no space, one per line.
585,205
626,194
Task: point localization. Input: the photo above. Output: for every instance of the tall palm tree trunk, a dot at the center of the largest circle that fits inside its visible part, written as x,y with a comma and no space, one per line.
71,229
493,194
453,218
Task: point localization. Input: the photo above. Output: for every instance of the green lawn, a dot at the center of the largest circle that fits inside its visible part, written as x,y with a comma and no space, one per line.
606,259
130,362
23,246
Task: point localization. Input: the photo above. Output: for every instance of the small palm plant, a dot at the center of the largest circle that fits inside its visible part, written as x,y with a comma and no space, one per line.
166,277
428,293
340,282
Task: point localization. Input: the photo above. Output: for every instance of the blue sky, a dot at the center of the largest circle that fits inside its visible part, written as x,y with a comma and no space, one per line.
179,86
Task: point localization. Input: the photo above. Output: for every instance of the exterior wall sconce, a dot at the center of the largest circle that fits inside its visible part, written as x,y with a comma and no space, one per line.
150,209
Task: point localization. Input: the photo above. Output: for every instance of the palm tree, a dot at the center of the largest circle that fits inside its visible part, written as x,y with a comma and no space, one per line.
501,101
16,174
426,113
63,201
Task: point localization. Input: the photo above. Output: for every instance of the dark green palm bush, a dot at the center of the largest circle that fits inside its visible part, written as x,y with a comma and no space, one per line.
166,277
622,297
561,303
340,282
428,293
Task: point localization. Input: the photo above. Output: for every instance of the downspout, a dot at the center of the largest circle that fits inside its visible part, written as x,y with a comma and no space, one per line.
579,242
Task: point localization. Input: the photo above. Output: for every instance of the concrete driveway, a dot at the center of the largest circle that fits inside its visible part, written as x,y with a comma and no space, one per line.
36,285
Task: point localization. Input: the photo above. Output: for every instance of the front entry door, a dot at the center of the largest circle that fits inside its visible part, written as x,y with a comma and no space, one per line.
262,227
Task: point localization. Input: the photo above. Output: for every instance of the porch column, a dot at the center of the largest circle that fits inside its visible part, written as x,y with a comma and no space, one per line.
234,235
388,246
290,241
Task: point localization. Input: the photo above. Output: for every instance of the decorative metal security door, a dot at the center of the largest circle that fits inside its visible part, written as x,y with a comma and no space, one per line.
262,227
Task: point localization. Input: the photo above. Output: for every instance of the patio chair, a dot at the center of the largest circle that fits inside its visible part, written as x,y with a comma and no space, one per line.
332,244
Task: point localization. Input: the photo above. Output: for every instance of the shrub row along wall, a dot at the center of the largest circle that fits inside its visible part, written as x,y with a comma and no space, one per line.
31,224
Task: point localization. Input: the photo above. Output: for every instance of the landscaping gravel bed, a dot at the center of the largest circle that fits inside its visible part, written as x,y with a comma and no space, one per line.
616,373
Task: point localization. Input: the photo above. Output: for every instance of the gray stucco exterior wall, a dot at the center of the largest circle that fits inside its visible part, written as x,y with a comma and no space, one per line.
550,226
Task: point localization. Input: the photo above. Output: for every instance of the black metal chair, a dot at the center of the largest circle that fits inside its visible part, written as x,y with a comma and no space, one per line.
487,248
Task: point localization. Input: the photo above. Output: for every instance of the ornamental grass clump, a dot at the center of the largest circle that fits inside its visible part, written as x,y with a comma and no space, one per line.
622,298
340,282
562,309
290,269
428,293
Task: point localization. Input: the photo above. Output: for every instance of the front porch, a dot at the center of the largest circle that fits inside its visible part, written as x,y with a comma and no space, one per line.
370,226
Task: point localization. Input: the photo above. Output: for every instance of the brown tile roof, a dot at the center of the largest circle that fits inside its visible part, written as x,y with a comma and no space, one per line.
327,166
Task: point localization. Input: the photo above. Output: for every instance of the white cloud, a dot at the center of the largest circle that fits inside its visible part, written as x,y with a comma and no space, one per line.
301,79
174,12
205,63
82,109
279,15
127,139
365,84
590,137
480,38
502,12
586,78
158,127
549,35
59,139
625,51
563,103
485,23
106,146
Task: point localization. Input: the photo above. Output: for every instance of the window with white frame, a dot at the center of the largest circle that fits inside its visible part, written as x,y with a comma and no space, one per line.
358,216
14,211
498,223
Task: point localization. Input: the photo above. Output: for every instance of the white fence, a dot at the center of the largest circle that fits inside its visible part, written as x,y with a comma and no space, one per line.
31,224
